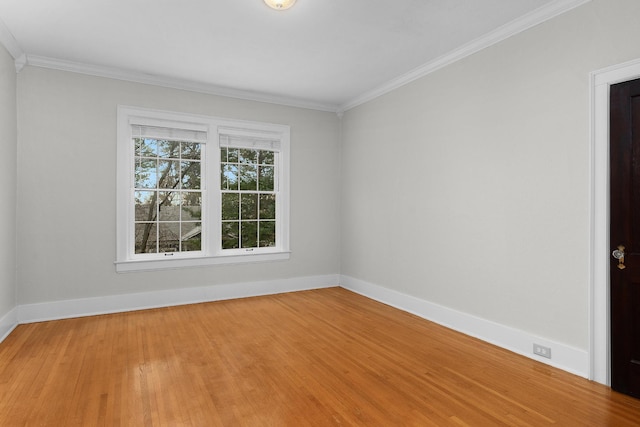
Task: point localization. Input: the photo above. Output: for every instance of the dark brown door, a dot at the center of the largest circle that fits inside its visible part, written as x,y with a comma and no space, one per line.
625,237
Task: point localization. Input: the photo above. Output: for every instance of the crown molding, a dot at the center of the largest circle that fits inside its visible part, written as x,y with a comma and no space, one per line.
12,46
173,83
519,25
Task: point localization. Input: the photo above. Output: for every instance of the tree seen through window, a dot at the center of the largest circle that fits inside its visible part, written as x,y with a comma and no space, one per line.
168,196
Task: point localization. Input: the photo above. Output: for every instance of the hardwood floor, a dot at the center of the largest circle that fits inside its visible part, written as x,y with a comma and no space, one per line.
315,358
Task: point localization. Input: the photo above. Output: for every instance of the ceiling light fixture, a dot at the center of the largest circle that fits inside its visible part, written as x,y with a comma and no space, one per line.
280,4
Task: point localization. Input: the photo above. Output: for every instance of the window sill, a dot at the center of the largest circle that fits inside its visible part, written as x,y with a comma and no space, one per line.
203,261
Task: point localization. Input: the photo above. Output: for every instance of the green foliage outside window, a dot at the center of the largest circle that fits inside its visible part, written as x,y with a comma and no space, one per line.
248,204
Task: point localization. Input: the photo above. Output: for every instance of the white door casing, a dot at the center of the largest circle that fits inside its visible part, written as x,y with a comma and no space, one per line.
599,348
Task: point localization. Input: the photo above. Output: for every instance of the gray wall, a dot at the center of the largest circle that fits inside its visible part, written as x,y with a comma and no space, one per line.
8,177
469,187
67,166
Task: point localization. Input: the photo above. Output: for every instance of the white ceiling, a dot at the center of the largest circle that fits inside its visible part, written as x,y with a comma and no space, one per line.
325,54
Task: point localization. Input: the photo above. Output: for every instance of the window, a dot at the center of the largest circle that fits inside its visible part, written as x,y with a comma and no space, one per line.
167,189
197,190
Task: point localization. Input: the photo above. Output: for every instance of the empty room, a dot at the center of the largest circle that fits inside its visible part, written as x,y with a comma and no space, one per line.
319,213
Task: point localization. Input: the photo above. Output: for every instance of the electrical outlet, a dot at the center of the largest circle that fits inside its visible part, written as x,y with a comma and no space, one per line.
541,350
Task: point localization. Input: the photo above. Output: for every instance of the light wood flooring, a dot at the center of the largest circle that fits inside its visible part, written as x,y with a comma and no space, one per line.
316,358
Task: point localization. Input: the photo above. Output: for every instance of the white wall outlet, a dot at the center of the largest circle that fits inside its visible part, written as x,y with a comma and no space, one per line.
541,350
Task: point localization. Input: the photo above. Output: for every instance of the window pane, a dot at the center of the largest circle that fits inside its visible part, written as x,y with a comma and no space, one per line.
145,147
233,155
248,156
223,154
168,206
146,174
168,173
265,182
169,237
191,205
248,177
249,206
169,149
229,178
265,157
145,205
145,237
190,150
191,236
230,235
230,206
267,233
267,206
137,146
249,234
190,175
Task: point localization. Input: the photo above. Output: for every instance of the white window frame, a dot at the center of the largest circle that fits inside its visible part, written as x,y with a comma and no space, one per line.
212,252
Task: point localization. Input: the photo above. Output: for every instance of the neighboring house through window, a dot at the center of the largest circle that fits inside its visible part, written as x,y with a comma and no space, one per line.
197,190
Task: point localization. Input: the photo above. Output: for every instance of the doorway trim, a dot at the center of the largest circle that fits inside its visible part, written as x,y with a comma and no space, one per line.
599,344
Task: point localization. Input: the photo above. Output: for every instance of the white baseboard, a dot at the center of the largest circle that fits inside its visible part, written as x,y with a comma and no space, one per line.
31,313
564,357
8,323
